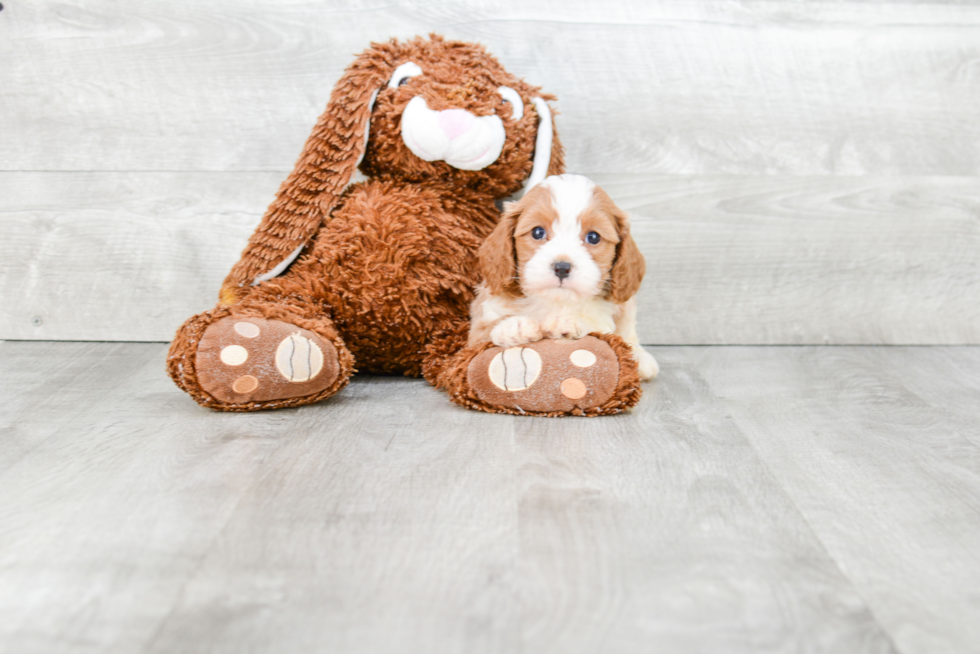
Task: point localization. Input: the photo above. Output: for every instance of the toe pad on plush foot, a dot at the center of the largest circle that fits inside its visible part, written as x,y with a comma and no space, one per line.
245,359
549,376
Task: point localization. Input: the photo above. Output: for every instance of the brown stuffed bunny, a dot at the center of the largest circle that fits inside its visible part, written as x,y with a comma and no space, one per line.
380,272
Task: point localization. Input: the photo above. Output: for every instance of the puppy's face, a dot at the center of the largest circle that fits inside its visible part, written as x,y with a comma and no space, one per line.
565,240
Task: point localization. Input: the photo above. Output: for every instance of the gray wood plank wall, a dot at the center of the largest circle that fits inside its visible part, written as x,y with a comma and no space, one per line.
798,172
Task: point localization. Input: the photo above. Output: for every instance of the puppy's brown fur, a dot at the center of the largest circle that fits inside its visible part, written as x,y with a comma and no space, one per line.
510,246
566,220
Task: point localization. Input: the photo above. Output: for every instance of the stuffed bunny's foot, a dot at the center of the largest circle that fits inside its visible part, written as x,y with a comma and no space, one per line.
551,376
245,359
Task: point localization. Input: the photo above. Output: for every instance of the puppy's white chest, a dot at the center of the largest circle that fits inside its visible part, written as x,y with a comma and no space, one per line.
593,315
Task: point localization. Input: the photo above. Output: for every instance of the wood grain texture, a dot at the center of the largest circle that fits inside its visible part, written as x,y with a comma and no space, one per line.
58,382
120,256
954,397
753,260
106,519
797,260
707,87
662,531
388,519
391,528
743,126
860,442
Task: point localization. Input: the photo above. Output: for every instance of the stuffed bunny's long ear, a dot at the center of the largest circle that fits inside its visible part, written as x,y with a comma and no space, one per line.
542,145
325,167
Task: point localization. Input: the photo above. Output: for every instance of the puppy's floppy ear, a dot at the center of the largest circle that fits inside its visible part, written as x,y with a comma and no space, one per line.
498,260
324,169
629,267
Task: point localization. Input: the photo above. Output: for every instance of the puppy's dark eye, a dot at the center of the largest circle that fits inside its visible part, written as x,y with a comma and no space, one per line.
592,238
403,81
505,100
538,233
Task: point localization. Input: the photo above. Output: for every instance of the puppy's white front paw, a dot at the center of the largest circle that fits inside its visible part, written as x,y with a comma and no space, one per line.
645,363
516,330
563,327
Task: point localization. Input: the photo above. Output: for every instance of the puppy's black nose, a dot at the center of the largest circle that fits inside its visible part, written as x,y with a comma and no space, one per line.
562,269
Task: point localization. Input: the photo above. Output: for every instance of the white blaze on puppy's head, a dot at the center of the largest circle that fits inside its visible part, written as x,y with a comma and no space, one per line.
562,265
564,241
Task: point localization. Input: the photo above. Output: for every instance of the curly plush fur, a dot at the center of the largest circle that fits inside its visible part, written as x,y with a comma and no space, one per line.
457,75
374,272
389,262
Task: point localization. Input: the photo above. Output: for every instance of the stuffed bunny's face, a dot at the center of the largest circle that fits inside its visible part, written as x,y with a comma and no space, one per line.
450,111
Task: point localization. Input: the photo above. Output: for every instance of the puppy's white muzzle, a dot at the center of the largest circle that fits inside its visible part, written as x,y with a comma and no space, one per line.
456,136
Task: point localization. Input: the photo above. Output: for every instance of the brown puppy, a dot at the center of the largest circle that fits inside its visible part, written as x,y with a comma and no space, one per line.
560,264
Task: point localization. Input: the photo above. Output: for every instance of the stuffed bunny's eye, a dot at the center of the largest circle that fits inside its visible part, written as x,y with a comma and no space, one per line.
402,73
511,96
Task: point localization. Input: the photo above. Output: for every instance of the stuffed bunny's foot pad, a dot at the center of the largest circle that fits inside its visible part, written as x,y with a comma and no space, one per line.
245,359
547,376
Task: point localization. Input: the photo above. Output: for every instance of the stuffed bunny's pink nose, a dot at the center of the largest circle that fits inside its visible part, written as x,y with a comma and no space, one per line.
455,122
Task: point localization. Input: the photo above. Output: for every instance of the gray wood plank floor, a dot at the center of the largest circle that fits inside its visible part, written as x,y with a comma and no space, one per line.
759,499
